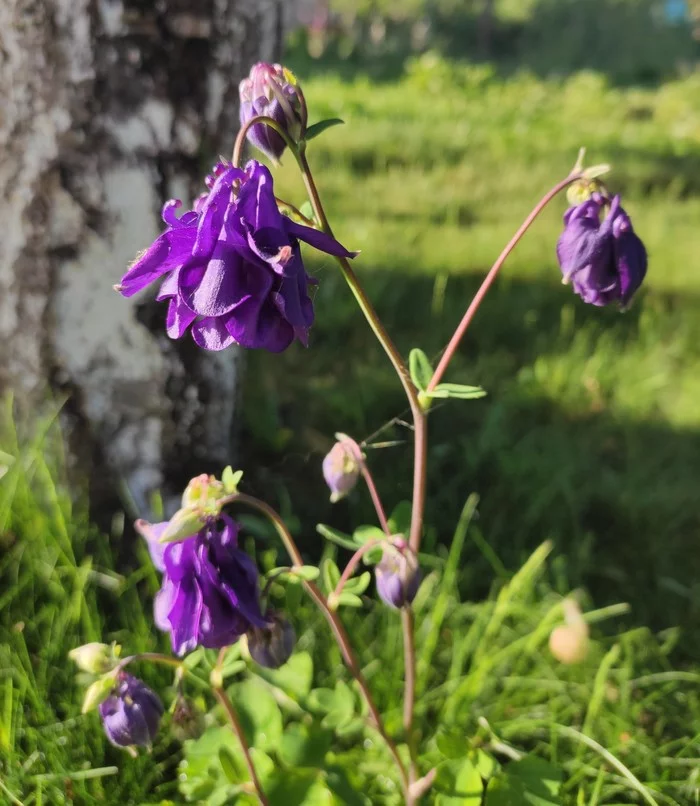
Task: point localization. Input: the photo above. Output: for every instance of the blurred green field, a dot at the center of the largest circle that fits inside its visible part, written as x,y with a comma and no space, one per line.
590,433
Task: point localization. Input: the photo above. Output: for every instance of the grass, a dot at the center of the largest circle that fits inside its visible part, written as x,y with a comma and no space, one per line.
590,433
589,439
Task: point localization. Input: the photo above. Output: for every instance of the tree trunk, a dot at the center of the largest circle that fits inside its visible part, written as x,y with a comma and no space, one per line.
107,109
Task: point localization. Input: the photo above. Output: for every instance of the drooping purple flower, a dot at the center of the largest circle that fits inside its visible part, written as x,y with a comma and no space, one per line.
131,714
272,646
606,262
271,90
209,594
232,266
341,469
397,575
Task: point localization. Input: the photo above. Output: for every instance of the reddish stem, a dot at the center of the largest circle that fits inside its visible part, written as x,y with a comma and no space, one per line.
491,276
352,565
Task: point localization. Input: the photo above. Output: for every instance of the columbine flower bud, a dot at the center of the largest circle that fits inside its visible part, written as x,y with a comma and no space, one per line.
341,469
398,575
188,720
606,262
271,90
273,645
94,657
132,712
569,642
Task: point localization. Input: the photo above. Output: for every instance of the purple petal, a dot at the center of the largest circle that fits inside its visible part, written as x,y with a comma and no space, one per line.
319,240
213,211
151,533
219,289
179,318
256,202
211,333
167,252
185,616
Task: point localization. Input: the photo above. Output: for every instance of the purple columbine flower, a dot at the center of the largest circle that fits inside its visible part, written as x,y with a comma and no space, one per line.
397,575
232,266
209,594
271,90
606,262
131,714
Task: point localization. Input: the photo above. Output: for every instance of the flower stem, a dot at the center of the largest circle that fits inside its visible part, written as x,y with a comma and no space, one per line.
331,617
457,336
232,716
243,133
409,652
369,481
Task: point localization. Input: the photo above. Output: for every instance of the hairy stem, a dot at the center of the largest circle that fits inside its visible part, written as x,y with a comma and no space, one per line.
232,717
457,336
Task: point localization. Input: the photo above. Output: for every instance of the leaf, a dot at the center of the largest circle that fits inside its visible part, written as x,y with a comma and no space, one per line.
400,518
358,584
304,746
259,712
452,744
307,210
334,536
294,678
321,700
330,574
420,368
459,783
318,128
363,534
349,600
306,572
531,781
229,766
457,390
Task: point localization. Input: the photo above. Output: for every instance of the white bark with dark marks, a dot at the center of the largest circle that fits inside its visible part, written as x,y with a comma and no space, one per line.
108,108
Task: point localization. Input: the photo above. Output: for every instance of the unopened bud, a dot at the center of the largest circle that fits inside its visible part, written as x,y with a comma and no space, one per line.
397,575
94,657
341,468
273,645
97,692
569,642
272,91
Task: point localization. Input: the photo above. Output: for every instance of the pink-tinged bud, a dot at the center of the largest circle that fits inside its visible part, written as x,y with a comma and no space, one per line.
569,642
341,468
397,575
272,646
272,91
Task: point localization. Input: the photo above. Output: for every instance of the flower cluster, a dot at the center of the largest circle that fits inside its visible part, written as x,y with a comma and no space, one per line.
232,268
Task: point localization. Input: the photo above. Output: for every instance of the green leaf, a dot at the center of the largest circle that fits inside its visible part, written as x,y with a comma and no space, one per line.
358,584
363,534
259,712
349,600
318,128
228,764
541,780
334,536
330,574
294,678
400,518
321,700
194,658
459,783
306,572
420,368
457,390
304,745
451,743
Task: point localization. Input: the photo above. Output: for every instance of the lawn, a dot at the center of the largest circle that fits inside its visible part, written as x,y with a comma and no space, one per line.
585,457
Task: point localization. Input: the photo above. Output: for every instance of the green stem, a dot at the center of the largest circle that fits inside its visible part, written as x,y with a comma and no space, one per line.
243,133
331,617
165,660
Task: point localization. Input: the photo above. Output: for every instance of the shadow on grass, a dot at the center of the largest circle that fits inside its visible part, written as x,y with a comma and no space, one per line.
573,442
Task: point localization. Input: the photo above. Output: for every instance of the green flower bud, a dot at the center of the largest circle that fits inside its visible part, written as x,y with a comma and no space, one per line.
98,692
94,657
